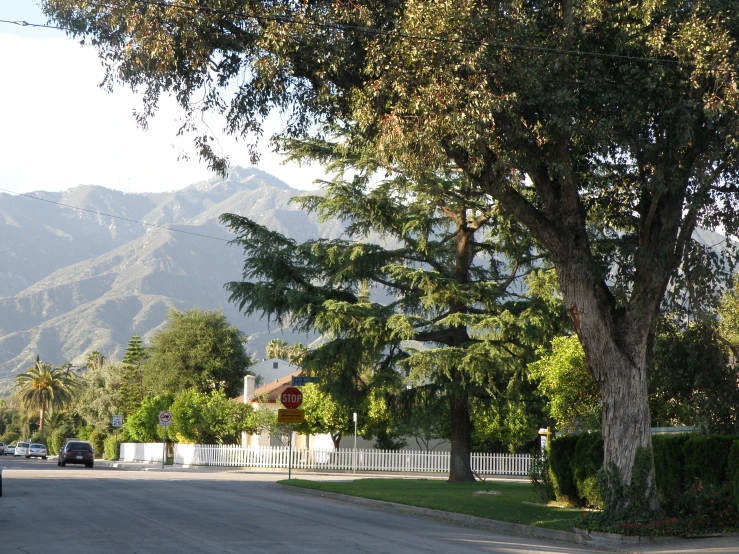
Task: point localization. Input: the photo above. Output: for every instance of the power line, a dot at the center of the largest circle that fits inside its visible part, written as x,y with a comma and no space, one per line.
290,20
115,216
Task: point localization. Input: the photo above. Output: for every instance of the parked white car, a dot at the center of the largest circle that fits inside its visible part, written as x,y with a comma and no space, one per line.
21,449
37,451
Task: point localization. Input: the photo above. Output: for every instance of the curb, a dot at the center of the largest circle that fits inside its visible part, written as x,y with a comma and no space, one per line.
515,529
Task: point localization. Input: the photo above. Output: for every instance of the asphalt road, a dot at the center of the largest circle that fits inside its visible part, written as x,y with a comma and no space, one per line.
75,510
45,508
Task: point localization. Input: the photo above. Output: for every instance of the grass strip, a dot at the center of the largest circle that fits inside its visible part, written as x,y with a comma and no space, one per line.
455,497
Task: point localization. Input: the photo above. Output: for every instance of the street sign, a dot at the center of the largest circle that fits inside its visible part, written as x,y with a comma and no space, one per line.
117,421
290,416
291,398
302,381
165,419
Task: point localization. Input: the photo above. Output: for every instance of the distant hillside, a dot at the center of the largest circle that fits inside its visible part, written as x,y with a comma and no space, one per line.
72,281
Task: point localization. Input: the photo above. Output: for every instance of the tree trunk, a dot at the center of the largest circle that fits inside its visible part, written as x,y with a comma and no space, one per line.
459,457
41,419
336,439
616,352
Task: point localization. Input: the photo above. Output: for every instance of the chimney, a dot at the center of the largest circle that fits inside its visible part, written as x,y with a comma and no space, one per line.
250,382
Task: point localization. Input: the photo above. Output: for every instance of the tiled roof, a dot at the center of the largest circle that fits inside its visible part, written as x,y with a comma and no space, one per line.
272,390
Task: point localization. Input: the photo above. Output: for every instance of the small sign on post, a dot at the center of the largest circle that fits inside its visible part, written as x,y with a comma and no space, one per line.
165,419
117,421
290,416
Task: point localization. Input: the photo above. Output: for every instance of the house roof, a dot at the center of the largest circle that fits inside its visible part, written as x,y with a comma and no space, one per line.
274,389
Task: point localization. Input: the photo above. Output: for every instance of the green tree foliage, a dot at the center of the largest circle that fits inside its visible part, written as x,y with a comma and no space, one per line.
565,381
323,415
45,387
132,382
278,348
197,349
611,158
456,279
691,380
143,424
297,353
210,418
425,417
94,360
100,395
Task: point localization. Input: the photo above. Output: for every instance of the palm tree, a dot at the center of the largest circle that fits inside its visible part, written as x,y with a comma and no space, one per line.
44,387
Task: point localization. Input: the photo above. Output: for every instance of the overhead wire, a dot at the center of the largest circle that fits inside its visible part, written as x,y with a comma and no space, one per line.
115,216
291,20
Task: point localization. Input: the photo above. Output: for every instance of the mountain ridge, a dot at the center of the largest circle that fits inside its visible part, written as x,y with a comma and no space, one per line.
84,281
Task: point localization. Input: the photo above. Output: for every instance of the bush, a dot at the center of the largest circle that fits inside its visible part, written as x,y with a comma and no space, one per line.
732,466
561,451
669,464
587,459
112,448
96,439
707,459
9,437
541,478
56,441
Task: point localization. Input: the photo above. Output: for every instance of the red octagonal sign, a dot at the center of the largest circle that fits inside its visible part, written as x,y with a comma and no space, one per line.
291,398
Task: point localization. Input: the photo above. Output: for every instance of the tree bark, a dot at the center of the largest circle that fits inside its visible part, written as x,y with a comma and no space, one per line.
617,358
41,420
459,457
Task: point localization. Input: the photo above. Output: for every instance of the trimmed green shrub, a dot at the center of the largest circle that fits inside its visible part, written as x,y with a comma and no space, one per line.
669,464
707,459
561,451
587,460
96,439
732,467
56,441
112,448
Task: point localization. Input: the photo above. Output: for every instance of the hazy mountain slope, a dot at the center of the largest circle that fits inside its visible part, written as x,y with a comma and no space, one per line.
39,237
131,274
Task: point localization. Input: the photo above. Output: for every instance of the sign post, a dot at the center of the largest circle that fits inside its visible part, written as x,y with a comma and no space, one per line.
117,422
291,398
165,420
354,417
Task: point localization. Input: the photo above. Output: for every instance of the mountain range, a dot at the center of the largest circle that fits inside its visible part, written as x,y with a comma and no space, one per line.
74,279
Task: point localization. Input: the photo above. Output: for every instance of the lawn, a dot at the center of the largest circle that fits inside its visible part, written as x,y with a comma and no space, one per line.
455,497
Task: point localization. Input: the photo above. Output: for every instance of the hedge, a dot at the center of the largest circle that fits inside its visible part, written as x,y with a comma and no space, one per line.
680,461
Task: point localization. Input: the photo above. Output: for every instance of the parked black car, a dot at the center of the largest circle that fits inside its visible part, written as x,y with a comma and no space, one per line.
75,452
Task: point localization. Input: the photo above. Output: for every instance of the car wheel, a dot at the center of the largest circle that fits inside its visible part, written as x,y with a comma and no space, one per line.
43,457
63,463
59,463
28,457
89,464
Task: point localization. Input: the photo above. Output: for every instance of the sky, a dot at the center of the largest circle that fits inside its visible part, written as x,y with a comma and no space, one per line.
58,129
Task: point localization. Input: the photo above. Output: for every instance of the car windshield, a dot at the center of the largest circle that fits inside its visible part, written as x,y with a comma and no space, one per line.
79,446
37,446
22,445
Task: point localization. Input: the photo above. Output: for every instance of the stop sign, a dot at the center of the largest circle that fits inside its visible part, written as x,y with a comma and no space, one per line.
291,398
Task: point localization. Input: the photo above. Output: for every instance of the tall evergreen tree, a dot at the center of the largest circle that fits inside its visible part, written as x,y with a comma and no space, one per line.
132,391
456,277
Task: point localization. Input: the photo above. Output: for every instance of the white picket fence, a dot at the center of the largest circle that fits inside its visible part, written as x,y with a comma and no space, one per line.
344,459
